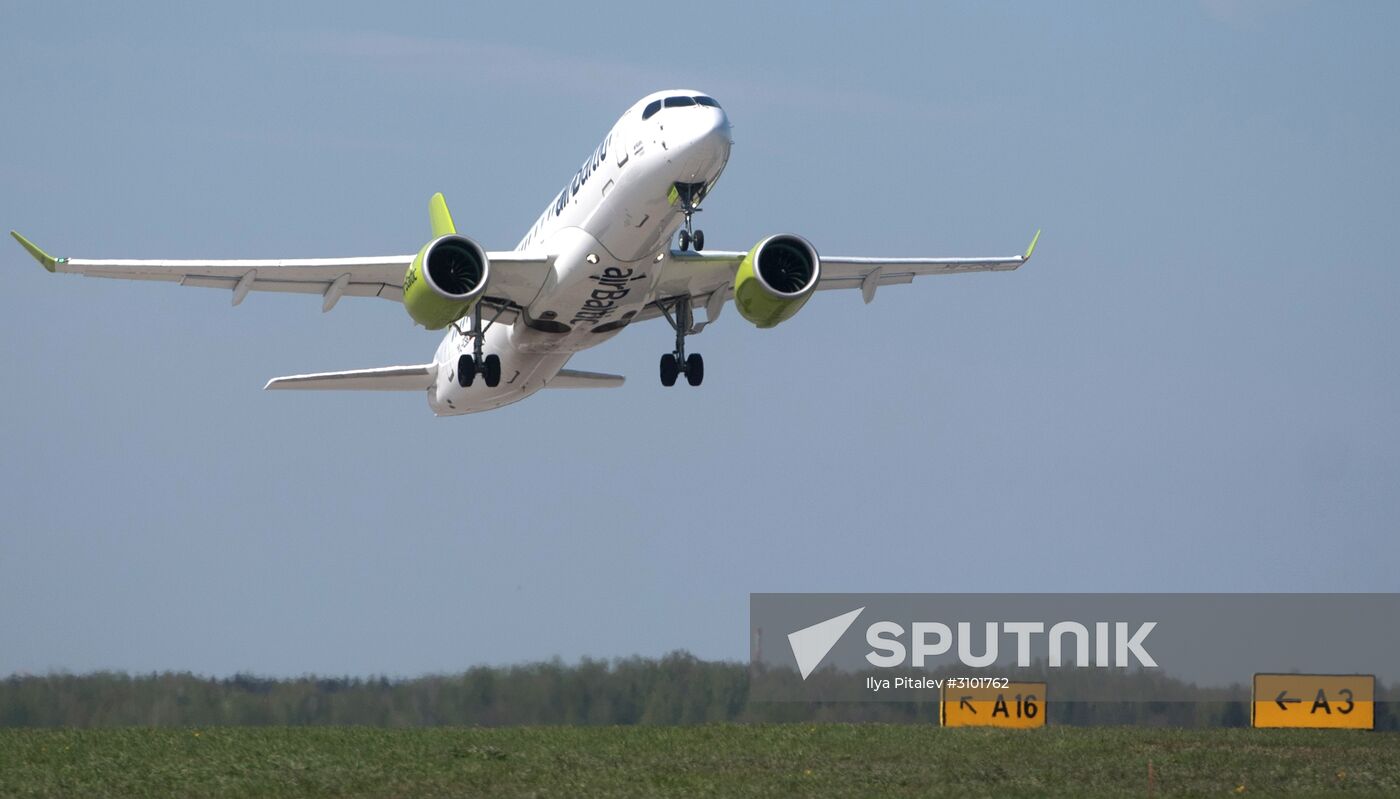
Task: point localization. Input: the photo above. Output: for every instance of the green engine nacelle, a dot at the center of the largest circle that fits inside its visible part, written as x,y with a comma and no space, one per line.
775,279
446,279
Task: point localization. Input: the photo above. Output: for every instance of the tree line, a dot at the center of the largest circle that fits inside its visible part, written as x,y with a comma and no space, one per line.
675,689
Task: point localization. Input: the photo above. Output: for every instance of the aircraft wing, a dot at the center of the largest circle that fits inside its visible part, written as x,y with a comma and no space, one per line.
708,277
515,279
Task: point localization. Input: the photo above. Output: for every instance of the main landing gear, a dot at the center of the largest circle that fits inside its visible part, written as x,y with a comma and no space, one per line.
469,366
674,364
685,197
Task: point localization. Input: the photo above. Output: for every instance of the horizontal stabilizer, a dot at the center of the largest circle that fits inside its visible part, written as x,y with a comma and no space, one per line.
573,378
385,378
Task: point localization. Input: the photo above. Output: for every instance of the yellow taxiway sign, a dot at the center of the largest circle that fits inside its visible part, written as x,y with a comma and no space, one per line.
1344,701
1007,704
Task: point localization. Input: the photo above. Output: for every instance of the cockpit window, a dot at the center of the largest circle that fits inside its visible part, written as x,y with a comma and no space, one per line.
676,102
710,101
652,108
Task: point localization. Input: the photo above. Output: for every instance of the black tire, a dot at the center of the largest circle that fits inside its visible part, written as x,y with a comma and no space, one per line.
685,240
699,238
669,370
493,371
466,371
694,369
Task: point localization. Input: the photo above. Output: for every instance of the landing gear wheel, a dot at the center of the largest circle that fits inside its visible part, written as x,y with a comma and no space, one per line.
685,241
694,369
699,238
491,371
669,370
466,371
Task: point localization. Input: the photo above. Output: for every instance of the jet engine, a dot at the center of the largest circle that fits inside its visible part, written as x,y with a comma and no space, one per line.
775,279
445,280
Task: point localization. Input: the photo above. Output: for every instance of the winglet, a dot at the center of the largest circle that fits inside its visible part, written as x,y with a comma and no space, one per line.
1031,248
48,261
440,216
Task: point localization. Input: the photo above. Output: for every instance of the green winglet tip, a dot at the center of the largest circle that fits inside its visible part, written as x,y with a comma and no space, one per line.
1031,248
48,261
439,216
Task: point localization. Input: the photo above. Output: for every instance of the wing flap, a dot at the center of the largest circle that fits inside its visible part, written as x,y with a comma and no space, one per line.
352,289
855,281
385,378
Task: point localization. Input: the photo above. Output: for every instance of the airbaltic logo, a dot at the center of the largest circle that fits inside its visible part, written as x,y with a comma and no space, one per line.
928,639
612,288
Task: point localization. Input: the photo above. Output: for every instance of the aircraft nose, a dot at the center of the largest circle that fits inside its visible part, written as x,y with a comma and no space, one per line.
708,131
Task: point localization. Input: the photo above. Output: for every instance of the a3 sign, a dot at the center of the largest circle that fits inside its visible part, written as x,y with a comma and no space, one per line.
1315,701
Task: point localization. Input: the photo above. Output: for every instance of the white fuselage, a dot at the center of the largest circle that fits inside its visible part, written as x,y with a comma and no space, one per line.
607,228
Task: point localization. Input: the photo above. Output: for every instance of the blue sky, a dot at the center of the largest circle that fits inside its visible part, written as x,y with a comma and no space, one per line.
1193,387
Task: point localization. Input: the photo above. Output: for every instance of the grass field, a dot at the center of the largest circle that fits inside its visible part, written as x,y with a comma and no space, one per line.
719,760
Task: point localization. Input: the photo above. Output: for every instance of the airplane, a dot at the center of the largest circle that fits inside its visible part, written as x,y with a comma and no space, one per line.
597,260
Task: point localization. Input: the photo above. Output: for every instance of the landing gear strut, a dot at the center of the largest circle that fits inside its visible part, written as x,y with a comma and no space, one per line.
469,366
676,363
685,197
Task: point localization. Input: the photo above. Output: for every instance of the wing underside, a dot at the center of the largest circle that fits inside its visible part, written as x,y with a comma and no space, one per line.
707,277
516,277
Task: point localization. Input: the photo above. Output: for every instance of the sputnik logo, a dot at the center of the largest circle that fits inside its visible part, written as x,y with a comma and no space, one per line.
810,645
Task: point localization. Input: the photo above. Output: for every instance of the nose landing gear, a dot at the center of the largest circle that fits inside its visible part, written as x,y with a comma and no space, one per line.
688,237
687,195
676,363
